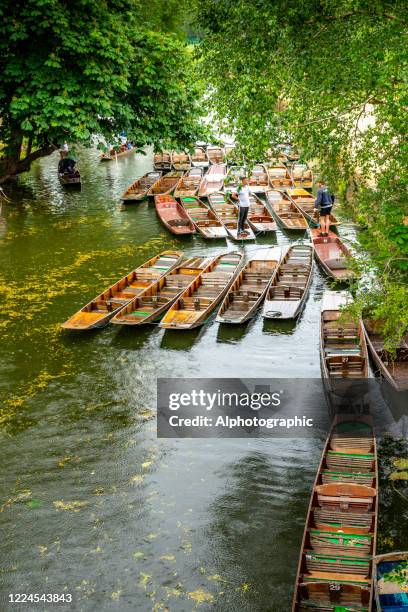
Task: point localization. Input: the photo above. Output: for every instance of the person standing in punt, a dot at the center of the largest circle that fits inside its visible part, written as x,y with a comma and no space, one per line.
242,196
324,202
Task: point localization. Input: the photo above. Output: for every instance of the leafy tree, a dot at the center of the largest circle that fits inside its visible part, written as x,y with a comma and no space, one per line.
73,69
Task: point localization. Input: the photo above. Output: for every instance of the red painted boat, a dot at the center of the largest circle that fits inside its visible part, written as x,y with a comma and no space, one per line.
333,255
173,215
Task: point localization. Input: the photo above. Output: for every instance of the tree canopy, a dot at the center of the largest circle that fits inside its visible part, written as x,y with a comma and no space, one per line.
73,69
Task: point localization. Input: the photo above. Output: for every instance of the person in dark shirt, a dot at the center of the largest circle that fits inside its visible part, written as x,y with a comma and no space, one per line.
324,202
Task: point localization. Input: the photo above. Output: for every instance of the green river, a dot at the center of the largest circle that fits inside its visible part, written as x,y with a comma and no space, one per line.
91,502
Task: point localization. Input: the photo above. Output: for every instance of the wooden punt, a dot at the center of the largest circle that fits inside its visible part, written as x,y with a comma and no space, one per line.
393,369
173,215
249,288
286,213
199,158
200,299
279,176
227,213
335,570
390,573
162,161
216,155
343,348
332,254
259,181
153,302
305,202
302,176
233,178
287,294
106,157
70,180
181,161
101,309
189,183
165,184
213,180
204,219
259,217
138,190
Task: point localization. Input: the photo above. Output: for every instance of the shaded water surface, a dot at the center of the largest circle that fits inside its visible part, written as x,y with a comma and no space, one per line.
91,503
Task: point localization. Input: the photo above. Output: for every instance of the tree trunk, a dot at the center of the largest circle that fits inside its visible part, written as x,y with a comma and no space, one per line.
10,167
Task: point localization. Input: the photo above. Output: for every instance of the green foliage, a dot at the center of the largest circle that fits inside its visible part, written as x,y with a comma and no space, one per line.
71,70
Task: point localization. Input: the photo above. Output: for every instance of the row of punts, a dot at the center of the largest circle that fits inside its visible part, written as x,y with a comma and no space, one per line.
194,180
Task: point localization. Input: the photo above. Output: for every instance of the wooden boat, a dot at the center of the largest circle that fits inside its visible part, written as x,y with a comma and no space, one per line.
287,294
189,183
279,176
102,308
335,571
286,213
302,176
162,161
138,190
153,302
392,369
213,180
249,288
200,299
181,161
390,572
332,254
233,178
113,154
227,212
305,202
204,219
343,348
173,215
216,155
259,217
165,184
258,181
199,158
71,180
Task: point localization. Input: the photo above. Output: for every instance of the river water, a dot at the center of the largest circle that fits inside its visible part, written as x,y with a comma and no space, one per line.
91,502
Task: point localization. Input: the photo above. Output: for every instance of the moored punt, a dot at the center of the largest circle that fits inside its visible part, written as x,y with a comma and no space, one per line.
213,180
302,176
286,213
305,202
249,288
204,219
165,184
233,178
199,158
113,154
343,349
138,190
199,300
181,161
173,215
189,183
258,181
162,161
335,570
102,308
227,213
393,368
390,573
279,176
332,254
216,155
259,217
156,299
287,294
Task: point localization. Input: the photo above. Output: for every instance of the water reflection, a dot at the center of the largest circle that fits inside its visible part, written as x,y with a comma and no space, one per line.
274,328
233,334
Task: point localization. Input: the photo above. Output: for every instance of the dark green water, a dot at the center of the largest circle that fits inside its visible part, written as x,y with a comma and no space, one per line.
91,502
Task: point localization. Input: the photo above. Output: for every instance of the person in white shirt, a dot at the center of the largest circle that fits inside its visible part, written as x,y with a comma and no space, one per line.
242,195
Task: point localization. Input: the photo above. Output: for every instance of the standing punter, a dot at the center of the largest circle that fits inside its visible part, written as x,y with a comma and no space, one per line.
324,202
242,195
